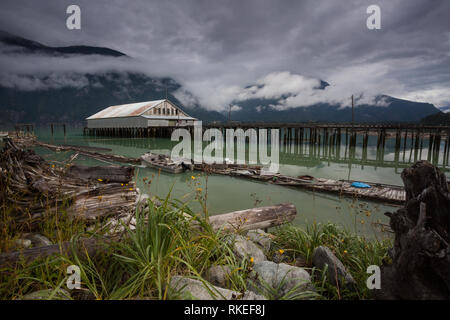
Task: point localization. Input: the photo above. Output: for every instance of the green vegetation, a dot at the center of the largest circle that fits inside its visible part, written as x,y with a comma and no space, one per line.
164,244
355,252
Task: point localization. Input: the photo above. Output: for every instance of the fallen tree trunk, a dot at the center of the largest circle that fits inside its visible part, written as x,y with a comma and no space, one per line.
420,267
256,218
89,153
104,173
90,246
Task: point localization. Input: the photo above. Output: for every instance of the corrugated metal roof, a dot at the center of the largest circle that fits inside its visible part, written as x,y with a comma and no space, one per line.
125,110
169,117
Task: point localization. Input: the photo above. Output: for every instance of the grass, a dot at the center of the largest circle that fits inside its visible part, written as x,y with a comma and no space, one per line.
355,252
163,245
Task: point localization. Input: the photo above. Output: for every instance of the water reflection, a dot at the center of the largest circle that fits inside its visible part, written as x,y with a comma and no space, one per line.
357,157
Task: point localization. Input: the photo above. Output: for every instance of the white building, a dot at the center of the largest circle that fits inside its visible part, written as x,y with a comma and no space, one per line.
157,113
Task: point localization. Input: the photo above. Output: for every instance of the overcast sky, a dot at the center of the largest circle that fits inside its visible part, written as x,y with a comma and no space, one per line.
217,48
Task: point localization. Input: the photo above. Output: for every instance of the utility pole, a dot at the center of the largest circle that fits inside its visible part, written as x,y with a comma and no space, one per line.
353,112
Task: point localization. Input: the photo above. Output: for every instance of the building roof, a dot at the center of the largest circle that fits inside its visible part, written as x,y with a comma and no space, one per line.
129,110
166,117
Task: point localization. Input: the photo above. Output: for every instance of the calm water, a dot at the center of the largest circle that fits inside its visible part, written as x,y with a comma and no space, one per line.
228,194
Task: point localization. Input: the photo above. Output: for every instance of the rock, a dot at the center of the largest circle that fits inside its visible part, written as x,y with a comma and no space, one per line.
38,240
282,276
278,257
261,238
196,290
218,275
245,250
142,200
300,261
117,225
82,294
323,256
47,294
22,243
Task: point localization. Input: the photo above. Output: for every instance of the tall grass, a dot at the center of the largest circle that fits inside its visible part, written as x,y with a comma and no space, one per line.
355,252
170,239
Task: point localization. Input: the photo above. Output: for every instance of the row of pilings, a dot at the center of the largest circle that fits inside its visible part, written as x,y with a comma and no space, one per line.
326,140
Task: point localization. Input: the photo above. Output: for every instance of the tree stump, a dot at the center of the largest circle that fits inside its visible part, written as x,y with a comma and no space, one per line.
420,267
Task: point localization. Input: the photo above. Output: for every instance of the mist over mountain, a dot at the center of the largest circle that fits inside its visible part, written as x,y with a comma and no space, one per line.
391,110
71,96
24,46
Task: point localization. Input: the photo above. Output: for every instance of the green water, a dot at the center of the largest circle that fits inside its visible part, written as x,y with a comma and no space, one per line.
229,193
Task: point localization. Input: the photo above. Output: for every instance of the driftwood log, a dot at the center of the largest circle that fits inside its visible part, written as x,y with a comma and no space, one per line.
255,218
104,173
88,151
30,187
83,246
420,267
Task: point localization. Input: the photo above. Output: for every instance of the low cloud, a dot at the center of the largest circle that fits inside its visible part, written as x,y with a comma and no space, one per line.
225,52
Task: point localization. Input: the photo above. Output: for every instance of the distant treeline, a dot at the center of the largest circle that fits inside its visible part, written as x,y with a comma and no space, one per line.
437,119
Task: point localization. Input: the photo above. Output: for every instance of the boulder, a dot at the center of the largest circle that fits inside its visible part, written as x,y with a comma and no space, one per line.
261,238
245,250
197,290
218,275
322,257
48,294
285,278
22,244
38,240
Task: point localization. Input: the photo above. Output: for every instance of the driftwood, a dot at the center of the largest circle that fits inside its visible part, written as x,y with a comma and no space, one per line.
31,188
104,173
255,218
420,267
87,151
90,246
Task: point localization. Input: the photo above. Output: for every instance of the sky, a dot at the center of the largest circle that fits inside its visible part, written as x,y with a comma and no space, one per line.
226,51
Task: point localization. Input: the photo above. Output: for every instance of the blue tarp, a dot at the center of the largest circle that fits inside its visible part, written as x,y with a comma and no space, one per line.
360,185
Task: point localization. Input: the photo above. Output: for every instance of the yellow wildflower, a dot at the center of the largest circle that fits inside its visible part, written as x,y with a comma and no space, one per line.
121,184
199,189
53,165
281,251
100,180
192,177
131,189
345,251
251,260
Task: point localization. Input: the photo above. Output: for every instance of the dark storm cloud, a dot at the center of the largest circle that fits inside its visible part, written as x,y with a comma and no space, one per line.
216,48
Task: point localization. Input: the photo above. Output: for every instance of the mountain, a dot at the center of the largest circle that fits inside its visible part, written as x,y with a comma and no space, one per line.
93,92
80,95
437,119
22,45
445,109
394,110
